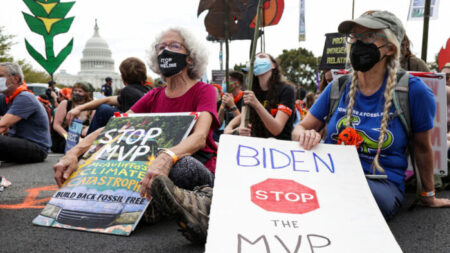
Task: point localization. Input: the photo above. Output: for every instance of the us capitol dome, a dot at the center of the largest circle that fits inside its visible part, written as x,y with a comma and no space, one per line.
96,64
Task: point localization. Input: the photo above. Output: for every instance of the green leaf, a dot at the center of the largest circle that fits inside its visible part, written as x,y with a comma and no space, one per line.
62,26
48,1
35,24
35,8
63,54
61,10
36,55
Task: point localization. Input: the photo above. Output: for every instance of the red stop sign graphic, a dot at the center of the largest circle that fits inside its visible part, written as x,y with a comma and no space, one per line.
284,196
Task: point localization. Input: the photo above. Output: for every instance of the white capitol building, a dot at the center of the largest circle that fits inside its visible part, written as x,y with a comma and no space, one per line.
96,64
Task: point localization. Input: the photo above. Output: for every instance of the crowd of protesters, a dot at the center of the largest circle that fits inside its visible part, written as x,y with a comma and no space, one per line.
378,49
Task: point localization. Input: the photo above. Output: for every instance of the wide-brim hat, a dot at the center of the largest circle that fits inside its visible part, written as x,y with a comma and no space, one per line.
375,20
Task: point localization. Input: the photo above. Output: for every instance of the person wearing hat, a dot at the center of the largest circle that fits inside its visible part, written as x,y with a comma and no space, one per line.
24,128
107,87
365,108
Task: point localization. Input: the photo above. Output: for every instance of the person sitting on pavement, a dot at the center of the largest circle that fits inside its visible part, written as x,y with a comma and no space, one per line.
271,103
231,102
81,94
181,61
107,89
134,75
24,128
365,109
51,94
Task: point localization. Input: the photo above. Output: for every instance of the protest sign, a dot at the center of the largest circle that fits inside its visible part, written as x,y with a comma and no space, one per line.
436,82
417,9
334,52
218,76
273,196
103,194
73,135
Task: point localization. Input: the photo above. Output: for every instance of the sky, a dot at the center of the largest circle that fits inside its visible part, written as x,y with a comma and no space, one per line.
129,27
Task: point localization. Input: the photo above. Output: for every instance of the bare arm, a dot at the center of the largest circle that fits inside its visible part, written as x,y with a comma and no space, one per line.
423,154
7,121
59,119
234,123
306,132
69,162
275,124
221,113
92,105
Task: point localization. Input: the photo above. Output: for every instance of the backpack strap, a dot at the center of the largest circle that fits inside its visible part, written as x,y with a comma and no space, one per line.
401,104
337,89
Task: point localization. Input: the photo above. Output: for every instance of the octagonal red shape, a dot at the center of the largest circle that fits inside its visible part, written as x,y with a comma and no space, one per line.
284,196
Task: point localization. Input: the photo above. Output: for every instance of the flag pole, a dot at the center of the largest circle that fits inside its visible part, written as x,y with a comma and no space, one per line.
252,58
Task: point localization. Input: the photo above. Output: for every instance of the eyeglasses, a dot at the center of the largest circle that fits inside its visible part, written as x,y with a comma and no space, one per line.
366,37
172,46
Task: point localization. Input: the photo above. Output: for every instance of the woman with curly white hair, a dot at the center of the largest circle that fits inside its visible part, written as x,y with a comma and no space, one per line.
181,60
366,113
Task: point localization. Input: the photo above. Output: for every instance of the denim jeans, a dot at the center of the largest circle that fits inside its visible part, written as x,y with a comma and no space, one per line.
102,114
387,195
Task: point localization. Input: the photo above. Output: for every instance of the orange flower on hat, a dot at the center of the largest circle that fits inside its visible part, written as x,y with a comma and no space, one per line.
349,136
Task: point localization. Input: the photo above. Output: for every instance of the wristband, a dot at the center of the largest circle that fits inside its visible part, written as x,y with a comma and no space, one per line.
233,108
171,154
65,136
428,194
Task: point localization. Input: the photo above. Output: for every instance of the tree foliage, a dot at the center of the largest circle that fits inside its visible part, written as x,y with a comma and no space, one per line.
31,75
299,66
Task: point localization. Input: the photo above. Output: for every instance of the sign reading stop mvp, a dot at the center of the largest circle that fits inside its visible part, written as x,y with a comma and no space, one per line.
274,196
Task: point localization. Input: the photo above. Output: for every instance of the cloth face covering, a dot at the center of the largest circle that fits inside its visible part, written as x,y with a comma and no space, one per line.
3,86
171,63
77,97
261,66
364,56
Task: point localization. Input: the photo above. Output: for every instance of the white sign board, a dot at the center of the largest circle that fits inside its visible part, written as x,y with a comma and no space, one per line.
274,196
436,82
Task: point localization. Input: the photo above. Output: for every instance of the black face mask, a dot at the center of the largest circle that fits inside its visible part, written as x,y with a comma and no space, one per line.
171,63
364,56
76,98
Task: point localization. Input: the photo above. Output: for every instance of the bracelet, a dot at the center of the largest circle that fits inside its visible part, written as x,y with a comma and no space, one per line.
428,194
171,154
233,108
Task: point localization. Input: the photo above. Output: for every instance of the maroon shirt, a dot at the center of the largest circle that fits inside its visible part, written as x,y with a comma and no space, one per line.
199,98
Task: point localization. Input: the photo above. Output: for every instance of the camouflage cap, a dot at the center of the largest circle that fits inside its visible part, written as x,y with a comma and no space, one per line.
375,20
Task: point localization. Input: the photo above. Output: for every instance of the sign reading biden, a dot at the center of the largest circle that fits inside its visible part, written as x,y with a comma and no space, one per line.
274,196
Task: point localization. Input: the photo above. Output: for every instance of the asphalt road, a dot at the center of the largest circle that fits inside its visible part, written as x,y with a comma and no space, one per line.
419,230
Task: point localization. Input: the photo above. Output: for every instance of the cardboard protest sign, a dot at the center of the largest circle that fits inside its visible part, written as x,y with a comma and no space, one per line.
334,52
436,82
103,194
73,135
274,196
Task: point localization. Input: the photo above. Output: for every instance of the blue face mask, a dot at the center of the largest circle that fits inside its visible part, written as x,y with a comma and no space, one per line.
3,86
261,66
